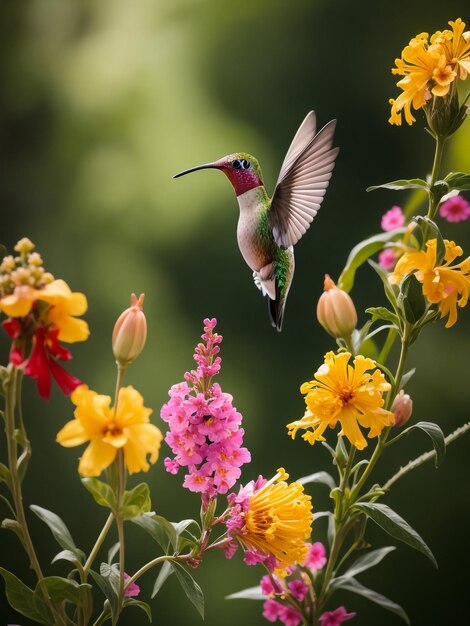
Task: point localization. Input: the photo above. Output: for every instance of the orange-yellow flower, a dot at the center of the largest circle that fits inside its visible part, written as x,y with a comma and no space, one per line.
430,67
349,394
446,285
109,429
275,519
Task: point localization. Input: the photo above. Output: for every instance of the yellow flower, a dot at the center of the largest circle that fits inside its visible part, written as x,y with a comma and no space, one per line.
349,394
430,67
20,302
278,520
442,284
109,430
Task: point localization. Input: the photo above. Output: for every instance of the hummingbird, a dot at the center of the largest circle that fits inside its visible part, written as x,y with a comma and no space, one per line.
268,228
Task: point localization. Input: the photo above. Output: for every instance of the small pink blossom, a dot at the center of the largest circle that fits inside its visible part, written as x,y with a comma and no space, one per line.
387,259
290,616
335,618
298,589
392,219
133,590
271,610
171,465
455,209
316,556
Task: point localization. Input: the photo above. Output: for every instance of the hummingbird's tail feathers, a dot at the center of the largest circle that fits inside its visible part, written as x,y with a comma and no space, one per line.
265,285
301,186
276,309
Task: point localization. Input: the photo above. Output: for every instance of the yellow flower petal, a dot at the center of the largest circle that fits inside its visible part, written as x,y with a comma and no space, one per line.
97,457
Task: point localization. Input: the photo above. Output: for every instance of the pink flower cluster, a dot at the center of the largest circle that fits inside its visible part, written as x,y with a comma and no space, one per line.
393,218
295,586
205,434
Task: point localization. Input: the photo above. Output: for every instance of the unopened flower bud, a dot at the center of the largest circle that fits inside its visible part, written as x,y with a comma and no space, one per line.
24,246
402,408
336,311
130,332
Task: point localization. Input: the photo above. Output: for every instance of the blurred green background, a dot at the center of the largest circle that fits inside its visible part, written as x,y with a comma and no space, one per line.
101,103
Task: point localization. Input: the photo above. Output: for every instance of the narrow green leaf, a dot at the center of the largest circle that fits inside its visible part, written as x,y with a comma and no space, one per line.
63,589
66,555
430,230
367,560
12,524
159,528
109,587
251,593
8,504
23,599
382,313
101,492
180,527
136,502
405,379
141,605
318,477
5,475
458,180
164,573
192,590
362,252
395,526
411,298
437,437
113,550
319,514
351,584
59,530
402,183
391,291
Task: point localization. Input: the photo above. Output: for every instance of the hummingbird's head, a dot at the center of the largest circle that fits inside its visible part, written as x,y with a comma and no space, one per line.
242,170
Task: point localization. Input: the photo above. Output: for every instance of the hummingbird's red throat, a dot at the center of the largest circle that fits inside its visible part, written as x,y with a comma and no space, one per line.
242,180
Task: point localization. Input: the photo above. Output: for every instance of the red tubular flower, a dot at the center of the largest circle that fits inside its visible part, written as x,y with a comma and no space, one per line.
13,329
42,363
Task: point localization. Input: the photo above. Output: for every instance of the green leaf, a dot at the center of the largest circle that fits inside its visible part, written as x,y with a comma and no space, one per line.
362,252
318,477
23,599
165,571
430,230
382,313
435,433
411,298
13,525
395,526
402,183
251,593
180,527
108,582
141,605
319,514
5,475
63,589
192,590
113,550
458,180
66,555
391,291
159,528
351,584
136,502
405,379
58,528
101,492
367,560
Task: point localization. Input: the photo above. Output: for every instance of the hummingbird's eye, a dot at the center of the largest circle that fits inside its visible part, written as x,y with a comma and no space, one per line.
245,164
236,164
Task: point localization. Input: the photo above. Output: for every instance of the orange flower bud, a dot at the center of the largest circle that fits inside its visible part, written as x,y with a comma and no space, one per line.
336,311
130,332
402,407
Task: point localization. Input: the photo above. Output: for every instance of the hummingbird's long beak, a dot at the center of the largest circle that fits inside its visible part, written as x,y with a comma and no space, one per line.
195,169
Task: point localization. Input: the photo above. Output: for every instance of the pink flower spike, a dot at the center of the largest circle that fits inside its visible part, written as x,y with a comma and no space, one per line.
271,610
392,219
455,209
335,618
133,590
387,259
298,589
316,556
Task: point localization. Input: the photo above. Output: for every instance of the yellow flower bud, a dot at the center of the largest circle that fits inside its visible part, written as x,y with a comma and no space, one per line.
130,332
24,246
402,408
336,311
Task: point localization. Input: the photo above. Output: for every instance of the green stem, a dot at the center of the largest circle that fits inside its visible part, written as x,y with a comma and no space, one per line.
427,456
432,208
15,482
344,484
152,563
97,546
391,336
101,617
120,521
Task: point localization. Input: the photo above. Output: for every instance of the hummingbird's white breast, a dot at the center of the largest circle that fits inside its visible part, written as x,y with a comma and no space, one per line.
252,203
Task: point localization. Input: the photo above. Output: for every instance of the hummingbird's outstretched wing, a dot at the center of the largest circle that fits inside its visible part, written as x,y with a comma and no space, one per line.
302,182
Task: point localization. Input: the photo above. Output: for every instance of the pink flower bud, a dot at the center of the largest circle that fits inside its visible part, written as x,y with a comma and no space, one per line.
336,311
402,407
130,332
